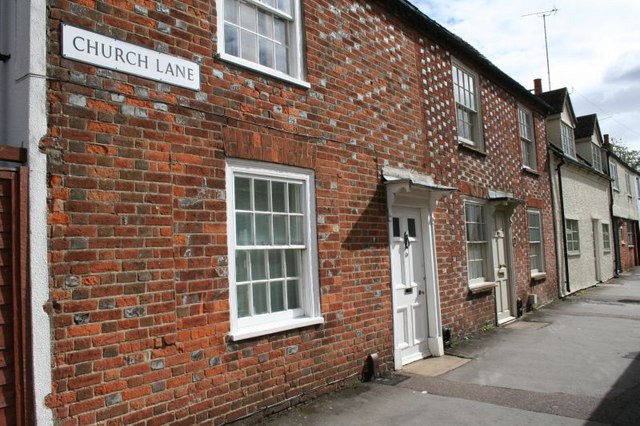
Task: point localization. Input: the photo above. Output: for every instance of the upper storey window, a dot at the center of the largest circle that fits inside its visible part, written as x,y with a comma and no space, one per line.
466,94
568,141
525,122
265,35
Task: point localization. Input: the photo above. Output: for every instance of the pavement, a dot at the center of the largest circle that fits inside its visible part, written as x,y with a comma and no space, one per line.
573,362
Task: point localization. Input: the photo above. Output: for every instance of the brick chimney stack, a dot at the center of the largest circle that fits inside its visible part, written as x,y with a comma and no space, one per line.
537,86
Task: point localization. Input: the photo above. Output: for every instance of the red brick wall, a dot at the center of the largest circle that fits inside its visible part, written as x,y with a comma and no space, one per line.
628,253
137,223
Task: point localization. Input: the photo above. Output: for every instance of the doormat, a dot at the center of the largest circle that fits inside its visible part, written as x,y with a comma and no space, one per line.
391,379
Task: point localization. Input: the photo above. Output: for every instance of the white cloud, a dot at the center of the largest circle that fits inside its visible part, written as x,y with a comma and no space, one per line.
593,50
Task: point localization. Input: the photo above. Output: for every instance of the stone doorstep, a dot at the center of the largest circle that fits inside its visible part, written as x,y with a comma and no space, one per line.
434,366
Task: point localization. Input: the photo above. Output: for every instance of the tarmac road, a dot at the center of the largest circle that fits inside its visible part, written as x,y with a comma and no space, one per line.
574,362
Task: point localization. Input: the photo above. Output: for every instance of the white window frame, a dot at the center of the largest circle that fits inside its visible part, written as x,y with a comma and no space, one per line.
627,183
606,238
637,187
630,233
568,140
296,73
539,243
309,313
596,155
573,236
527,138
461,93
479,281
613,171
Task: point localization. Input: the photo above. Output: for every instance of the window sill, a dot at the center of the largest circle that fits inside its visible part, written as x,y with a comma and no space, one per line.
263,70
530,171
271,328
573,253
538,277
467,145
482,287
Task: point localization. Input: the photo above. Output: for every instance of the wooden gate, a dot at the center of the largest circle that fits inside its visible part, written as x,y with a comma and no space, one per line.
15,407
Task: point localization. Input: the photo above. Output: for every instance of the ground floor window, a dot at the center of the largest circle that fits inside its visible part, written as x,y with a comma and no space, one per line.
606,238
536,252
573,236
272,240
477,244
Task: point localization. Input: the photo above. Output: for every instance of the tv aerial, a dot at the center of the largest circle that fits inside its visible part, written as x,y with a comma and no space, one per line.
544,15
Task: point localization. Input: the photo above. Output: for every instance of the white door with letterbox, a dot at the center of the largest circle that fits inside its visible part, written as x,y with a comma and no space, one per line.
408,276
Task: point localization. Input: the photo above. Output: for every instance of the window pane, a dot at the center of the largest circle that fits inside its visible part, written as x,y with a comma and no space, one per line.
285,6
231,11
247,17
249,48
261,193
295,198
411,224
244,229
293,294
242,266
258,270
265,24
263,230
260,299
242,193
277,296
295,230
282,61
243,301
266,52
280,27
280,230
275,264
292,261
231,40
278,196
396,227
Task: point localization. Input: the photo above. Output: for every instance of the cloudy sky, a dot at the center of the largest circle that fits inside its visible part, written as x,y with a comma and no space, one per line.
594,50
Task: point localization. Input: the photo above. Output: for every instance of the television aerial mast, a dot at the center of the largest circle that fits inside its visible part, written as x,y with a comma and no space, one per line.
544,15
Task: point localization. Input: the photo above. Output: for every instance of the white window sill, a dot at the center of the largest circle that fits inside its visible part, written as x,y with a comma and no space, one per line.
274,327
573,253
538,276
483,286
530,170
264,70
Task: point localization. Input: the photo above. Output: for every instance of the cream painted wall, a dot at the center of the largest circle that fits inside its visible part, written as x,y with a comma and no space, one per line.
625,205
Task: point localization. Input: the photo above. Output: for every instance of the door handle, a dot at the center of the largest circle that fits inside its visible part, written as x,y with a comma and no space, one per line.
420,292
407,243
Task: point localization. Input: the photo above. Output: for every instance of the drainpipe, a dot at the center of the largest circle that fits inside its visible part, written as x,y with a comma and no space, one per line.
614,225
564,225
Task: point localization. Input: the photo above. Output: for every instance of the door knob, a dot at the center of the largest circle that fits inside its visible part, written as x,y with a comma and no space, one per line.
420,292
407,243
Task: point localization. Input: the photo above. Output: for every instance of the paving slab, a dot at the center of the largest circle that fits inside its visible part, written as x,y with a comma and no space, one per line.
435,366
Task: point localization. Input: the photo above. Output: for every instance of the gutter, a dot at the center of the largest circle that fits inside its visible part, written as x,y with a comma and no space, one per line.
614,226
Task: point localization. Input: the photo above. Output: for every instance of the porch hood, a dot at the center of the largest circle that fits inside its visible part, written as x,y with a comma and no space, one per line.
504,199
411,187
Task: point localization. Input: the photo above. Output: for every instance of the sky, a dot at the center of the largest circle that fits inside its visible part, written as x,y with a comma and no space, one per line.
594,50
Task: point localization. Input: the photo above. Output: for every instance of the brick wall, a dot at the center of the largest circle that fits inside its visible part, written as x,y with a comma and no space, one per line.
137,208
628,256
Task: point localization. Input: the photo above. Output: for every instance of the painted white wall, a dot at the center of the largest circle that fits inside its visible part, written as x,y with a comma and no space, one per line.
586,198
23,120
625,205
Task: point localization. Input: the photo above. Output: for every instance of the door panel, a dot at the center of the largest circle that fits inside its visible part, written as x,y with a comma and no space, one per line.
501,265
409,285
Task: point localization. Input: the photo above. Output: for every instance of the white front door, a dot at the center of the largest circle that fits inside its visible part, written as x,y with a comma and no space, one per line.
408,276
501,264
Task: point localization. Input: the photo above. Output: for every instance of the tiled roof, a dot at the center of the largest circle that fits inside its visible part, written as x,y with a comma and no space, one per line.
555,99
585,126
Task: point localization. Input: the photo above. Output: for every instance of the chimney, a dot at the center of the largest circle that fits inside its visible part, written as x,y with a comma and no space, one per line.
537,86
606,141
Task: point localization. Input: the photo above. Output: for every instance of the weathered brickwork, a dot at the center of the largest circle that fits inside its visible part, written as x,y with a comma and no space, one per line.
137,207
628,252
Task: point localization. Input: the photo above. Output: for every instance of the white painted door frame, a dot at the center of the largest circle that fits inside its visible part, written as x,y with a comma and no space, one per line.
399,196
